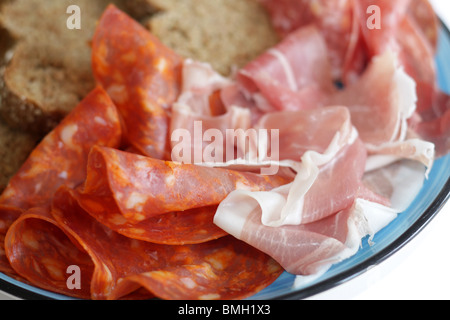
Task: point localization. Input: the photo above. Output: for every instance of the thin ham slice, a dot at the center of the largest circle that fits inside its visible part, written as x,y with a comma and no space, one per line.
426,20
200,109
294,75
303,201
310,247
437,131
307,130
379,111
383,37
381,104
334,19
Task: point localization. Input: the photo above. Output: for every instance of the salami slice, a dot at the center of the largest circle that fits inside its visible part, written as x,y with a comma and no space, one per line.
174,228
7,216
142,76
61,157
224,269
41,253
214,269
144,187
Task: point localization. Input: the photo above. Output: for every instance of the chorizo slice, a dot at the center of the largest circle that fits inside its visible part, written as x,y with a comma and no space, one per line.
173,228
61,157
142,76
143,187
7,216
41,253
223,268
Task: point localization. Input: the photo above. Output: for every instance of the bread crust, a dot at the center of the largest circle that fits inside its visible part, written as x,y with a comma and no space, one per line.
50,70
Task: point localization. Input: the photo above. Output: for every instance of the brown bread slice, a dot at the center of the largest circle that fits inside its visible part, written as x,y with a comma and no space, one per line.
44,72
225,33
40,87
45,68
50,70
15,146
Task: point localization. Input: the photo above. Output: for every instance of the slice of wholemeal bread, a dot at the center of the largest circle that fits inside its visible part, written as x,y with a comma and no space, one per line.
44,72
40,87
225,33
50,70
15,146
45,68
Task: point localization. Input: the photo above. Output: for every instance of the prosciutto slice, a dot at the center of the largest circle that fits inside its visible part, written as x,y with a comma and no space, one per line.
303,200
200,114
333,18
437,130
381,103
310,249
426,21
311,246
294,75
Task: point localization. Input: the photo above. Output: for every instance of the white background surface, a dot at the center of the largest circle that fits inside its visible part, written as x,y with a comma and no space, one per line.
419,271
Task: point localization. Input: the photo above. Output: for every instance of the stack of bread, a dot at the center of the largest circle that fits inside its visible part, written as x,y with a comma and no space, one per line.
45,67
